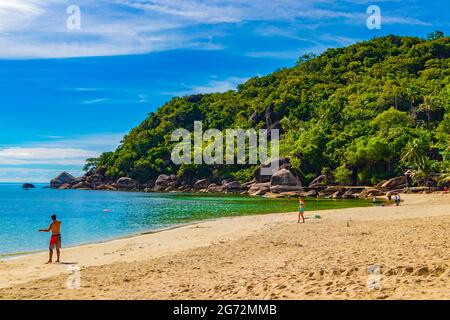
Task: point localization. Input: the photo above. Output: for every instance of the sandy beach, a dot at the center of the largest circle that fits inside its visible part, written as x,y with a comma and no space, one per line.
259,257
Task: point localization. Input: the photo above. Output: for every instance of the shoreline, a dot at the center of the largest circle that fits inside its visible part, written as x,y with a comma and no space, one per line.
14,255
219,246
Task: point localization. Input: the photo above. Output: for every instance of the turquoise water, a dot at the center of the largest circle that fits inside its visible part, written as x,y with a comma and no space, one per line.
23,212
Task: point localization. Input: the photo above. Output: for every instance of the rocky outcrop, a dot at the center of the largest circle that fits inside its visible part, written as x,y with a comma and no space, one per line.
394,183
284,181
276,164
64,178
126,183
371,192
165,180
259,189
28,186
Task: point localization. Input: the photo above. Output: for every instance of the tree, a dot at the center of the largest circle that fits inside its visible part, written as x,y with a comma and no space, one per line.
414,154
435,35
428,106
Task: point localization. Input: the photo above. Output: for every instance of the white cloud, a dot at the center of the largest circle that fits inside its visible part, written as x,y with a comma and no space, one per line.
54,156
213,86
26,162
23,174
37,28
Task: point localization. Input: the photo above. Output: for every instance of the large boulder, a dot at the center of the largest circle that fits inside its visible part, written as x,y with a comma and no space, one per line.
284,181
126,183
283,177
165,180
276,163
63,178
394,183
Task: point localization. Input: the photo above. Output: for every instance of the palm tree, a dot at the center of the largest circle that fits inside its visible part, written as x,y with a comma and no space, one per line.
414,154
428,106
412,95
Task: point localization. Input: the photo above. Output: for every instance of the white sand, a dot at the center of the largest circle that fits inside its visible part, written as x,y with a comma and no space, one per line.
259,257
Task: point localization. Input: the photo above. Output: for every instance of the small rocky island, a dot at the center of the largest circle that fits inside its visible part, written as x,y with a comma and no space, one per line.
282,183
28,186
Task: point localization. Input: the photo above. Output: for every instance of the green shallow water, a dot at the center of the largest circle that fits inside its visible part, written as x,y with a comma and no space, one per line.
22,213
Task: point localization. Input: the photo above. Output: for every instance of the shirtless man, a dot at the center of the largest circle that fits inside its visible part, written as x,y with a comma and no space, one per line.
55,240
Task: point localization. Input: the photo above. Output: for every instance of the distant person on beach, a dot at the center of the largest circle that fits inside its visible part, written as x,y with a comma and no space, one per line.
397,199
301,210
55,240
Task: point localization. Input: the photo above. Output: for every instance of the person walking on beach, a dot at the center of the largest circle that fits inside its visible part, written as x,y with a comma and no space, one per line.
397,199
55,240
301,210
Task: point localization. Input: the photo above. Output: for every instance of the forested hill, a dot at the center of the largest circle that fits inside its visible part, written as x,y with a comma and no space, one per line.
365,113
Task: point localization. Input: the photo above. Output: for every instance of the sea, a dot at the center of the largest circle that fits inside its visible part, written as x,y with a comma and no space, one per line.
93,216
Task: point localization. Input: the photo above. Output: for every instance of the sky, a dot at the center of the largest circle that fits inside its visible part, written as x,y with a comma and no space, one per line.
75,76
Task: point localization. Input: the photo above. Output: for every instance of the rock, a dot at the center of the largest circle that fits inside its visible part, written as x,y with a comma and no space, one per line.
337,195
330,190
233,185
283,177
285,188
394,183
126,183
420,189
165,180
81,185
266,178
64,186
106,187
349,196
284,181
392,193
215,188
260,192
371,192
319,181
247,185
28,186
169,189
62,179
148,184
259,188
311,193
200,184
95,179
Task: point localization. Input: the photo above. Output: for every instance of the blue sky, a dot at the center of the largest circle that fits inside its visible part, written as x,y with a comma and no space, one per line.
66,95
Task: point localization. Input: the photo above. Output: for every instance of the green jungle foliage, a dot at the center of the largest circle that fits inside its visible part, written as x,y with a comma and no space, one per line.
366,112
